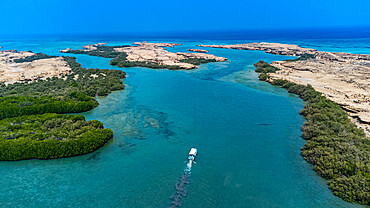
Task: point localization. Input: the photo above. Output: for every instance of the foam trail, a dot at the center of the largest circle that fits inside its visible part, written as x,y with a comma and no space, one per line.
189,165
181,186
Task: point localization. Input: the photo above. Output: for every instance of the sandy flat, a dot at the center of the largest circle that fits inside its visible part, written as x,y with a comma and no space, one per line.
11,72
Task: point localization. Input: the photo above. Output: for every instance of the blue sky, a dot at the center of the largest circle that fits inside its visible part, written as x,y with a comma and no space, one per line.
120,16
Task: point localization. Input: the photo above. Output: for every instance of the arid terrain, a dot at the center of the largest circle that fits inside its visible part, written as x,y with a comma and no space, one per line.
273,48
157,53
198,50
11,72
342,77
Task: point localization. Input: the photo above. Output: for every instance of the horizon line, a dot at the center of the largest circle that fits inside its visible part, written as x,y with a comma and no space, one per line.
362,31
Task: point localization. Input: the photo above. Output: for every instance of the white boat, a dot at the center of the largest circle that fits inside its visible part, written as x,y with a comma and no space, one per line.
192,154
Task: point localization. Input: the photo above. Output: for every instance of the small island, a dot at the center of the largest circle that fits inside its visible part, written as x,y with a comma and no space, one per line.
273,48
150,55
198,50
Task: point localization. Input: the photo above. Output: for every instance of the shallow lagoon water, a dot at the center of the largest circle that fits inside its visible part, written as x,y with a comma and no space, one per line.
247,133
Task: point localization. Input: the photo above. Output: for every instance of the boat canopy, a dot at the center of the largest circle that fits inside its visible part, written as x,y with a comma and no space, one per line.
193,151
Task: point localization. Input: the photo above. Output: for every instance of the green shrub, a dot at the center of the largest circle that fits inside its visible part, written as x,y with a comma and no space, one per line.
151,65
50,136
197,61
70,94
121,61
37,56
264,67
101,51
302,57
263,77
26,132
15,106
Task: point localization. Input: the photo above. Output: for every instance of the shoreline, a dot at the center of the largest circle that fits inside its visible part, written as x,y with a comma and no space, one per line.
341,77
338,150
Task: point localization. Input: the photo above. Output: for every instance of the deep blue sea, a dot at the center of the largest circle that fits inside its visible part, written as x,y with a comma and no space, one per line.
247,133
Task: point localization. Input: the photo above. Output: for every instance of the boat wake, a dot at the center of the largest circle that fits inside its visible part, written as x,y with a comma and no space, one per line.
188,165
181,186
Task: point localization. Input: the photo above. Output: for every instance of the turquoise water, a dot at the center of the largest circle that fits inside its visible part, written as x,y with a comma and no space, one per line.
247,133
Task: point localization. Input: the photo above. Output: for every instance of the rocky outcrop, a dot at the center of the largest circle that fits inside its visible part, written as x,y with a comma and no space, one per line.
273,48
343,80
144,43
86,47
65,50
93,46
11,72
181,56
198,50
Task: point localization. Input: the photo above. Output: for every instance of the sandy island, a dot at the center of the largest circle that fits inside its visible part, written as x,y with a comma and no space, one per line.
155,53
342,77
